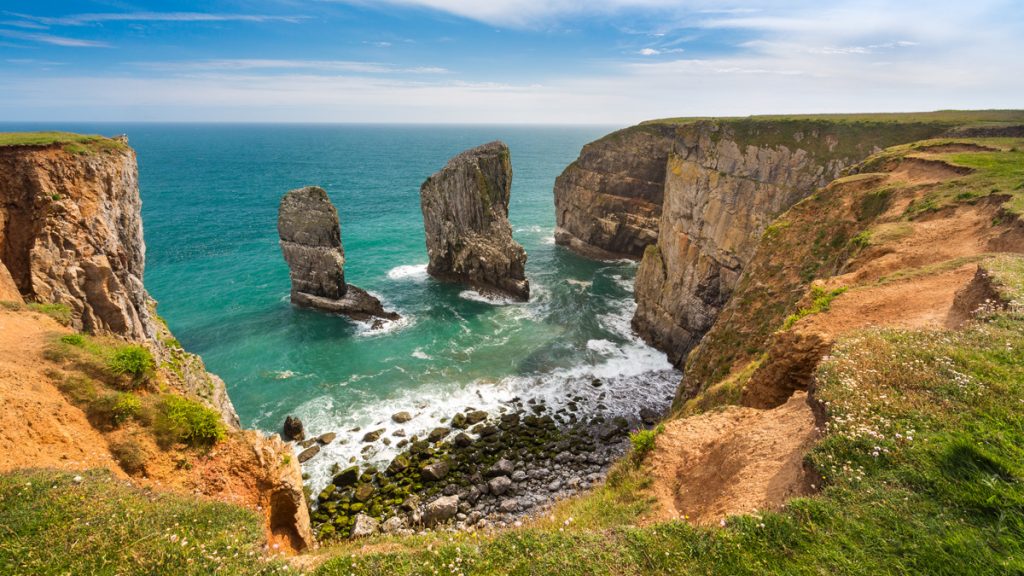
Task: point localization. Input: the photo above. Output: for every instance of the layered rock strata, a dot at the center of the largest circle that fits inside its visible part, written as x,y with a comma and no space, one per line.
694,197
719,196
465,216
310,233
71,233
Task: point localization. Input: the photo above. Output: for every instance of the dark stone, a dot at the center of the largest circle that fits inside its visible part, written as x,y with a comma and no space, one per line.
475,417
401,417
438,433
293,429
434,471
326,438
346,477
373,436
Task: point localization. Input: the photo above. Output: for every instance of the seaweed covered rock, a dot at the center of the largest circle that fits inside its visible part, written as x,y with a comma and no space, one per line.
310,233
465,215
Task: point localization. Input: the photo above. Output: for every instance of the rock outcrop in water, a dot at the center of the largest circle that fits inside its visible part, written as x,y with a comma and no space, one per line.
465,214
310,234
71,233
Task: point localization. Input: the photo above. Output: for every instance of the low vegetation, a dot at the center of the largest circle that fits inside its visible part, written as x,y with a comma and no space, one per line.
55,523
73,143
821,300
59,312
180,419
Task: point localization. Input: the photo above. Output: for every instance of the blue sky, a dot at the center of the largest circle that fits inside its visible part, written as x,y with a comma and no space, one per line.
501,61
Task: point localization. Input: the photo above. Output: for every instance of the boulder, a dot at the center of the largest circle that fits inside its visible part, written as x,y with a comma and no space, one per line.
465,217
438,434
440,510
310,237
364,526
293,429
373,436
499,485
309,453
346,477
326,438
503,467
434,471
401,417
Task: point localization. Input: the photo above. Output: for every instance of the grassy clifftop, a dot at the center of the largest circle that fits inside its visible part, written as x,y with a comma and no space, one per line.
74,143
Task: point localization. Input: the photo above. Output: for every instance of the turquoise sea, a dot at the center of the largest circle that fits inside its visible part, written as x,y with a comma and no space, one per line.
210,196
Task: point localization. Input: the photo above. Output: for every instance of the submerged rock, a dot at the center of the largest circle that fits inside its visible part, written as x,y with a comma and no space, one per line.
465,216
310,234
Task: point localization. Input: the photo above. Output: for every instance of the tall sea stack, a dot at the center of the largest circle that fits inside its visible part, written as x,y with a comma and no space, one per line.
465,215
310,233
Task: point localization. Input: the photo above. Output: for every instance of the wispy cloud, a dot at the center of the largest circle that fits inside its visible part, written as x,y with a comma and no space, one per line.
53,39
101,17
333,66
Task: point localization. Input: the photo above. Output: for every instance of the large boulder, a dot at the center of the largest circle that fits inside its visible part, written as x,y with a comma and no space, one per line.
465,215
440,510
310,234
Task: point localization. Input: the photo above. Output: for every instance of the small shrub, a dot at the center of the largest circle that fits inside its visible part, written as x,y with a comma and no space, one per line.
113,409
821,302
179,419
73,340
133,361
78,389
862,240
12,306
59,312
642,442
129,455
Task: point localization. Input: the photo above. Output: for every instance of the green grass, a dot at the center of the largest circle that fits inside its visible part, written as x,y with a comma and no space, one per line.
821,300
948,117
133,361
52,525
180,419
73,143
922,466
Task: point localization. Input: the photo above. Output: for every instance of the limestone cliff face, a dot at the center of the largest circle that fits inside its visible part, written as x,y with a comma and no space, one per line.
719,197
310,232
694,197
465,216
608,202
71,233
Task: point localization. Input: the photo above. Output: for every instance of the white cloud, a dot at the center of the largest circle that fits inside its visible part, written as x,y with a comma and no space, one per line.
97,18
53,39
649,52
330,66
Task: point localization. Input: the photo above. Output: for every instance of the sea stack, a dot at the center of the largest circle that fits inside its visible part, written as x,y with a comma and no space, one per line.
310,233
465,215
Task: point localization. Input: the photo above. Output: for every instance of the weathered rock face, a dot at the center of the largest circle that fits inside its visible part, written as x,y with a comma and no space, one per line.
719,198
694,197
71,233
608,202
310,235
465,215
8,289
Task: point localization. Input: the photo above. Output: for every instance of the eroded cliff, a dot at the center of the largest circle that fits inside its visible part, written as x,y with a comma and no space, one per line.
71,233
113,388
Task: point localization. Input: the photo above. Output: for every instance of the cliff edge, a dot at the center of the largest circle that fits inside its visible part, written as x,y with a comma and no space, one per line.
90,376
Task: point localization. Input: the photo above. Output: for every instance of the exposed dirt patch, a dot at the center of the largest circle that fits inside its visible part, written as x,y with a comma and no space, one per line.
735,461
912,170
38,427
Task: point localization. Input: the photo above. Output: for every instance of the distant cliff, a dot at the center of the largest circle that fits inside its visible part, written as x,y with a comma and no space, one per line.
692,197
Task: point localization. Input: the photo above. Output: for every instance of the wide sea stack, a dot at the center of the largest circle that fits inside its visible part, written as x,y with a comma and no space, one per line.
465,215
